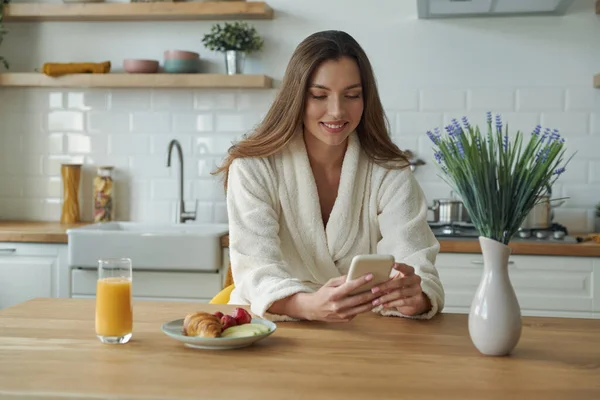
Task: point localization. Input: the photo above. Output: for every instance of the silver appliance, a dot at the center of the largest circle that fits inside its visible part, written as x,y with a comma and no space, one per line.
556,233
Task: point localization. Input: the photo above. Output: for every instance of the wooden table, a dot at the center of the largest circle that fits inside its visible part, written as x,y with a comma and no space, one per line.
48,350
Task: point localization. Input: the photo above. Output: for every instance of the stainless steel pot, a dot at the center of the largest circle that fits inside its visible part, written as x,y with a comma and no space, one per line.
541,215
448,211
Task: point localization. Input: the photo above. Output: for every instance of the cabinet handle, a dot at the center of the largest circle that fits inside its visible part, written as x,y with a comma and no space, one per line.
8,250
480,262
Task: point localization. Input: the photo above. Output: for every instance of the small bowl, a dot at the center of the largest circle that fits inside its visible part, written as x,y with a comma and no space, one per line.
181,55
140,66
176,66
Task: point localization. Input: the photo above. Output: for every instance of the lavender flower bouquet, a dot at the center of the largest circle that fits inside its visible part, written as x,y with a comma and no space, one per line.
498,179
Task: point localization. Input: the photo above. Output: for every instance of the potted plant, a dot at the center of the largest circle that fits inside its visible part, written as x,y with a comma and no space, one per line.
499,179
235,40
3,60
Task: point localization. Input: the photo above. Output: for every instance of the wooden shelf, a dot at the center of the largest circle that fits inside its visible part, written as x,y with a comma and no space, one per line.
597,81
155,11
125,80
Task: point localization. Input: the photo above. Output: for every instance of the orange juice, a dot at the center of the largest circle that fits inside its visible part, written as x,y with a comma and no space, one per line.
114,314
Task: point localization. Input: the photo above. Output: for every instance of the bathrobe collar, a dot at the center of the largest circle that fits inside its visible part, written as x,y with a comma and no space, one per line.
322,247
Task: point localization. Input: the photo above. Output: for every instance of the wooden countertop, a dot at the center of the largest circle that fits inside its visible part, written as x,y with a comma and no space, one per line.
55,232
48,348
471,245
585,249
35,232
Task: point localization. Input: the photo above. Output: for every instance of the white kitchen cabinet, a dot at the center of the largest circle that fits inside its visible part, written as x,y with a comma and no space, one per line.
155,285
30,270
158,285
545,285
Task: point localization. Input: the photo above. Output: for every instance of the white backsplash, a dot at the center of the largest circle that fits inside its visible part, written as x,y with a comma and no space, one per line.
541,73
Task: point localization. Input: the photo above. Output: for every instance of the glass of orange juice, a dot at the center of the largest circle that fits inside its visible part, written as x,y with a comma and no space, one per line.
114,308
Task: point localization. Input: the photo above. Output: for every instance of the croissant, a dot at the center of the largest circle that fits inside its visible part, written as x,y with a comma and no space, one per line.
202,324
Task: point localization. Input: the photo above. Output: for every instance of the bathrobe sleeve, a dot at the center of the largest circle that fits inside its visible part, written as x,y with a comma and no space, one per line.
406,235
260,275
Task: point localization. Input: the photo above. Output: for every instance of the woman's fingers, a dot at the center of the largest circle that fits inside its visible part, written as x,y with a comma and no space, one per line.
356,300
349,313
405,269
410,301
400,293
346,288
335,282
396,283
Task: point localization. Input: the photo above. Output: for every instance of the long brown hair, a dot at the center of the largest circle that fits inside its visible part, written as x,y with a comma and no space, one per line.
286,113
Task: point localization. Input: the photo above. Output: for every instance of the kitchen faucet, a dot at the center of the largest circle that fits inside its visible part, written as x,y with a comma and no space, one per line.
182,214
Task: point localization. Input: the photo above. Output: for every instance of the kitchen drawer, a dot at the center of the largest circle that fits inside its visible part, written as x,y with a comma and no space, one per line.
30,249
155,284
544,283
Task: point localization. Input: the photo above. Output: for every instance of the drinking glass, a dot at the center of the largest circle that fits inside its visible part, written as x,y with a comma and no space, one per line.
114,308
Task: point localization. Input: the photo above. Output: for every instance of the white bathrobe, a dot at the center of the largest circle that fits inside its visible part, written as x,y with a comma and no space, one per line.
277,241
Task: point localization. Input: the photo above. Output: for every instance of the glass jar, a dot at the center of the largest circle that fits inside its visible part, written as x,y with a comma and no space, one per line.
104,193
71,176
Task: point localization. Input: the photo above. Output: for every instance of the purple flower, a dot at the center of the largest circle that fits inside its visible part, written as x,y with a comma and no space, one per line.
545,155
498,122
536,131
433,138
489,117
559,171
465,122
461,149
554,135
505,142
439,156
457,128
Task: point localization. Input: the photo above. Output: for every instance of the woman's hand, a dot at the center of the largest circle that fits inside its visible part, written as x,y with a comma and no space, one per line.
333,302
403,292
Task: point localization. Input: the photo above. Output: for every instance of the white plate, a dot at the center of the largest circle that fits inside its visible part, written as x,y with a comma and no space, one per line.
174,328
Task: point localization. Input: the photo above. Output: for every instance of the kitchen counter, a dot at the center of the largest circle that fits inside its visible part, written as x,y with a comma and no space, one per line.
35,232
471,245
541,248
55,232
45,344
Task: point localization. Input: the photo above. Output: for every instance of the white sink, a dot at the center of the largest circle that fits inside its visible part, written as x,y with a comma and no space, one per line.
150,246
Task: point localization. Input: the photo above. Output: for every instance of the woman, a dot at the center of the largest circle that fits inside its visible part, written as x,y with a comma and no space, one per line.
318,182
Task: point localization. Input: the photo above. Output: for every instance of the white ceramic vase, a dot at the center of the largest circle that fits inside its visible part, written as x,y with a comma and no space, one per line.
495,315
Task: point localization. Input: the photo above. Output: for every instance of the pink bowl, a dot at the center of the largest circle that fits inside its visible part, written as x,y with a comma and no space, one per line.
141,66
181,55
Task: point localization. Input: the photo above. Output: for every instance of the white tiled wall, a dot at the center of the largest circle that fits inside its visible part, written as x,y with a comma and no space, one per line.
530,70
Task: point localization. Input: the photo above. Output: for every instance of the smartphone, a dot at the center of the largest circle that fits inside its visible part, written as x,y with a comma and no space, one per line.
380,265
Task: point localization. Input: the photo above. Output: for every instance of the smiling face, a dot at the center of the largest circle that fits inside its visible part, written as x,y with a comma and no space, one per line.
334,101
